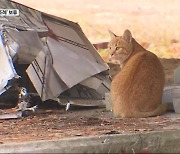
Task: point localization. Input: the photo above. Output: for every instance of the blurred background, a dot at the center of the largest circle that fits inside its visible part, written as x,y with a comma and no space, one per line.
155,24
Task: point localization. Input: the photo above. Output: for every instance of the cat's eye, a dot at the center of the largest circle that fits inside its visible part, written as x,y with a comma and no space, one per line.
117,48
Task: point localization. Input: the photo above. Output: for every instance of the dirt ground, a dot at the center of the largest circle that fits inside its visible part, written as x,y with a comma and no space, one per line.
56,123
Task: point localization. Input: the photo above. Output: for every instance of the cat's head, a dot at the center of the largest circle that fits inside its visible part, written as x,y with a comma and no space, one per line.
120,47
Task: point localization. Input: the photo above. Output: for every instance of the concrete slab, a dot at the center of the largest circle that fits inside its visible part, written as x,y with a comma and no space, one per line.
156,142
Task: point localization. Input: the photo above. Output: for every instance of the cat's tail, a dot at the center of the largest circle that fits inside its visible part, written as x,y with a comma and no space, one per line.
162,108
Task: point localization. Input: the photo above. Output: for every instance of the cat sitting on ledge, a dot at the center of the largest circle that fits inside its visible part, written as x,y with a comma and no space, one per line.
136,91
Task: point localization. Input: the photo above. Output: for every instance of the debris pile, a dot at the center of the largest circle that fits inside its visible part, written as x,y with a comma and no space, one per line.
50,56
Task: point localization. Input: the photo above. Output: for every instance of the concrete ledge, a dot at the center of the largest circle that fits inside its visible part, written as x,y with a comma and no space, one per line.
156,142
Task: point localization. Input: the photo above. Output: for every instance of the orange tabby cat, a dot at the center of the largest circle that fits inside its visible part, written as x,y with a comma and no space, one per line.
136,91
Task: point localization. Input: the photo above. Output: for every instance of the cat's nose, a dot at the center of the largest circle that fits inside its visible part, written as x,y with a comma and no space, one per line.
112,54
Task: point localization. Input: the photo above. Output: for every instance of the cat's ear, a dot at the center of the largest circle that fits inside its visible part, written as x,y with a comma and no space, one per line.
127,36
112,34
